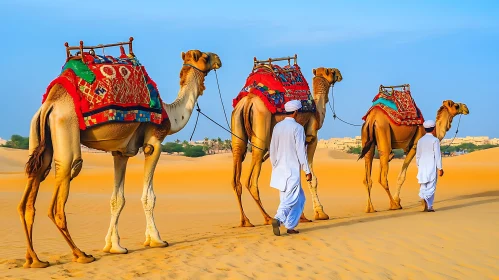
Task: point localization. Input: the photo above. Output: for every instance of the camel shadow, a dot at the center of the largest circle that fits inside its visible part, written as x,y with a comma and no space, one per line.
367,219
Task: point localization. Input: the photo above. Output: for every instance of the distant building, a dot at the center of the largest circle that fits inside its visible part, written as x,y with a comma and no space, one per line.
341,144
3,141
477,140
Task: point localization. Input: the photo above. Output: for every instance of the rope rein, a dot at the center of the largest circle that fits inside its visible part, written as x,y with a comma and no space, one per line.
198,109
334,111
455,134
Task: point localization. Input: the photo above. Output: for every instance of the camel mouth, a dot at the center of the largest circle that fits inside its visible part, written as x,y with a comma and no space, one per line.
464,109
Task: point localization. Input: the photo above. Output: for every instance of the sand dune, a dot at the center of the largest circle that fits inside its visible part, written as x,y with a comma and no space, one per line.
196,212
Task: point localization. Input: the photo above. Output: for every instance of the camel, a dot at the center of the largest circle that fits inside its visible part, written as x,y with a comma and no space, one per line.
379,131
252,120
55,135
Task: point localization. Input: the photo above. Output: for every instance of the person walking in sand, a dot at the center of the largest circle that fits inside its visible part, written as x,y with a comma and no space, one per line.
428,160
288,155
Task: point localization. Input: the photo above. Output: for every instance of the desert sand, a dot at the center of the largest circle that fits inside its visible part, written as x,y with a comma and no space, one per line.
197,213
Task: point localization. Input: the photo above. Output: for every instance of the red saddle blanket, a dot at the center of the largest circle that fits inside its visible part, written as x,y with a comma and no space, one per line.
106,89
277,87
399,106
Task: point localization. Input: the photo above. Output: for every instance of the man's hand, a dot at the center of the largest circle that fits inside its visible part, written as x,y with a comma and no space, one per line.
309,177
441,172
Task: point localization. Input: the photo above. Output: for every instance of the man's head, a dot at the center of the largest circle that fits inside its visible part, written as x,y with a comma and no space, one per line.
429,126
292,108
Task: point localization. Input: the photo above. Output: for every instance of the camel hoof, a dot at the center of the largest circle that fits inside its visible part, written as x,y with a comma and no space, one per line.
321,216
268,221
305,220
85,259
160,244
370,209
246,224
118,250
39,264
395,207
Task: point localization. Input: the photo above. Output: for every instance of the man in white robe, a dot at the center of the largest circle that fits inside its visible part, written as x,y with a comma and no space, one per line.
429,160
288,156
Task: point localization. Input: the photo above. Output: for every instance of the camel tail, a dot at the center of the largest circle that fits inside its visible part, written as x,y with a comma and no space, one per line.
247,119
368,132
35,160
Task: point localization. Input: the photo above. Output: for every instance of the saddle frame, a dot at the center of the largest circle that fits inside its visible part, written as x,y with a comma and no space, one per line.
81,47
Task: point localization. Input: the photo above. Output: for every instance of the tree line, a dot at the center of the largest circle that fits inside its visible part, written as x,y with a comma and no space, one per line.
399,153
206,147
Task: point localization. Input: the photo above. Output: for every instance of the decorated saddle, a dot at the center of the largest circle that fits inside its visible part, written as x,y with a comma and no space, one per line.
276,85
110,89
398,105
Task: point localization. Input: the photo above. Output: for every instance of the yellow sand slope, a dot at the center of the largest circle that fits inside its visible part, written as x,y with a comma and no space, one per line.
196,212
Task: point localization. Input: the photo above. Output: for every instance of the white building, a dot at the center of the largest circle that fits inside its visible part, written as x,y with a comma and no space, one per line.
2,141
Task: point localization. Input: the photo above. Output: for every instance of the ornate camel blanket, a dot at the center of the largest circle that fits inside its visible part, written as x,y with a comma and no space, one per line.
277,86
110,89
399,106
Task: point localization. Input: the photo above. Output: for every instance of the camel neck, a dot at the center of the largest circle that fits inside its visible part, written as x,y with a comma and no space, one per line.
180,111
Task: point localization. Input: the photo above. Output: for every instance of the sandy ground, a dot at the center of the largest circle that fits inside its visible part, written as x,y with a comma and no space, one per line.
196,212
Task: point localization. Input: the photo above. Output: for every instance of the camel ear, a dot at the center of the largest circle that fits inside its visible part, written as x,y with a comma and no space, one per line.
313,71
183,56
448,103
195,55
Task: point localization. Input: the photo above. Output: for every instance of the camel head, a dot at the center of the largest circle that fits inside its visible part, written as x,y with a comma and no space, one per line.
327,78
332,75
446,114
201,63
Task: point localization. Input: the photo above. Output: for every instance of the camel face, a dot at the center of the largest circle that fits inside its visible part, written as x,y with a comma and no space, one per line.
203,61
332,75
455,108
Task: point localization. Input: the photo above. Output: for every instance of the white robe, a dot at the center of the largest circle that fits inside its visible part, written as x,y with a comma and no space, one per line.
288,154
288,157
428,160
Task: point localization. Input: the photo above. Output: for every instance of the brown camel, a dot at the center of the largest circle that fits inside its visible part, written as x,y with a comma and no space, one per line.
379,131
252,120
55,134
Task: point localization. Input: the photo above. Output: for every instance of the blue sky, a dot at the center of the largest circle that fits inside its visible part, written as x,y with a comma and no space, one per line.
444,49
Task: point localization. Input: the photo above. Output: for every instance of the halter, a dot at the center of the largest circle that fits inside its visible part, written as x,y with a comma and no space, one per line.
204,72
329,84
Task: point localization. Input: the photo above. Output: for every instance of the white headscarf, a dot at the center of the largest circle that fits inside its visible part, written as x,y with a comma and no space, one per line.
429,124
291,106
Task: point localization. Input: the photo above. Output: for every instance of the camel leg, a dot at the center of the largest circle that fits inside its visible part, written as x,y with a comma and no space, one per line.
261,139
27,210
384,150
256,167
318,208
117,204
239,148
401,178
368,182
65,134
152,151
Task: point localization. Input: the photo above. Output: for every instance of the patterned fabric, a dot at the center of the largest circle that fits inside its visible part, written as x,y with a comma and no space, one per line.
277,87
406,112
120,91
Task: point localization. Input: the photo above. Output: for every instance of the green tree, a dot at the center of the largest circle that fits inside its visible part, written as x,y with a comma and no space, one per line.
171,147
354,150
194,151
18,142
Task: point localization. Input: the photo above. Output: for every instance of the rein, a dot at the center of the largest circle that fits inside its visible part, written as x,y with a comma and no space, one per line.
198,109
334,111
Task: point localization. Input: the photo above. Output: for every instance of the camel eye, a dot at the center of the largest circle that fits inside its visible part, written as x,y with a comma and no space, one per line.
456,106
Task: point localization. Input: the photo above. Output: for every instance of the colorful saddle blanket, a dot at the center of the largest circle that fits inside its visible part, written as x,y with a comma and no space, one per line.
108,89
398,106
277,87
